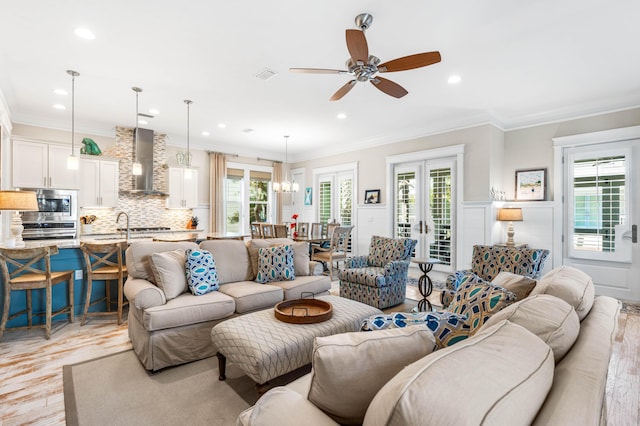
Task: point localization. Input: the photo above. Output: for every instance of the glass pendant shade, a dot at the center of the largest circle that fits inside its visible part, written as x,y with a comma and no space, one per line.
187,171
136,169
73,162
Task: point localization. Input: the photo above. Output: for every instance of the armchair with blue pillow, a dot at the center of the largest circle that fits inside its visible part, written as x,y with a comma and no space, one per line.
488,261
379,279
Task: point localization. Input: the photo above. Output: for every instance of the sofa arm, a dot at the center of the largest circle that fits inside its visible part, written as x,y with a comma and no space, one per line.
143,294
283,407
356,262
315,268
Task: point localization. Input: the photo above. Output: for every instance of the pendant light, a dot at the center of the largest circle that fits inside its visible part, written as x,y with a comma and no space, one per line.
187,171
136,167
286,185
72,161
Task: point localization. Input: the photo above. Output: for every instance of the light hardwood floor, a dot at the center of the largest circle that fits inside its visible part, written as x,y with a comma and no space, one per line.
31,367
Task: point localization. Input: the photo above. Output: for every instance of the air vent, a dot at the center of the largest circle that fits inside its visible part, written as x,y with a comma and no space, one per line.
266,74
247,130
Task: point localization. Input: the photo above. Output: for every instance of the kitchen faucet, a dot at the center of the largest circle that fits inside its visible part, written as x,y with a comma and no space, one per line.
128,229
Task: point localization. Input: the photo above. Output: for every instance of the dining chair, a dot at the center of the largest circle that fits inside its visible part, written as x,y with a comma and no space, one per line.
336,251
30,269
267,230
316,230
331,227
255,230
281,231
104,262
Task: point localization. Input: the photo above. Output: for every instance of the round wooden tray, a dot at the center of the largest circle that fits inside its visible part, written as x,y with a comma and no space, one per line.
303,311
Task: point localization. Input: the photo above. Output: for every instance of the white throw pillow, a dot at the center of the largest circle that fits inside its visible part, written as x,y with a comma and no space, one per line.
571,285
350,368
169,272
519,285
548,317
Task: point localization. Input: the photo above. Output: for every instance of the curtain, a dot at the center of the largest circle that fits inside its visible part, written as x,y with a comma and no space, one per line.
277,177
217,171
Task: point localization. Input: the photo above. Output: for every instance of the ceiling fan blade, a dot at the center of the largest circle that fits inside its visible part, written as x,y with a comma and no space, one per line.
343,90
410,62
389,87
357,45
318,71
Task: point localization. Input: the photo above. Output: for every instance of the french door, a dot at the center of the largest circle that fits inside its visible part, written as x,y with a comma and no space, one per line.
601,212
423,207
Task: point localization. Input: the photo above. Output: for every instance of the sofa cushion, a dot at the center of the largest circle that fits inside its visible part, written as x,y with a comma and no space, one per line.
316,284
275,264
365,362
202,277
447,328
519,285
138,253
571,285
188,309
478,300
169,272
251,296
232,260
473,382
551,319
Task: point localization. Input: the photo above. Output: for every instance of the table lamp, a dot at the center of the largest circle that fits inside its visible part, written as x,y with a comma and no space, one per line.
510,214
17,201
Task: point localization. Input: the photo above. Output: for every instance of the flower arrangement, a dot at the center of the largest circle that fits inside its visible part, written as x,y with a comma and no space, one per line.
294,224
88,219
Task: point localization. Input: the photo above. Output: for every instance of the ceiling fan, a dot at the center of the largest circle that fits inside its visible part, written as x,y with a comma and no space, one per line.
365,67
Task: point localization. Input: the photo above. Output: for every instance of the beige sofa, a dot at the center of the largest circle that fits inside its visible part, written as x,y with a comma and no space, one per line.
169,326
542,360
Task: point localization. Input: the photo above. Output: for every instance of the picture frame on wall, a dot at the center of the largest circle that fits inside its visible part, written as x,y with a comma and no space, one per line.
531,185
308,196
372,196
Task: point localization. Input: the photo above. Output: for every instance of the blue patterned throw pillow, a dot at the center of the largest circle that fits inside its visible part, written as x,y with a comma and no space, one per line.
202,277
275,264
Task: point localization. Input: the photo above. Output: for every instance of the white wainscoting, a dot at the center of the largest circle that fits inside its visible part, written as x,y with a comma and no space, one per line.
372,220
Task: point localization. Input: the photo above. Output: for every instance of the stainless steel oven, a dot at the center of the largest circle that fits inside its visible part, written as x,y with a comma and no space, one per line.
57,215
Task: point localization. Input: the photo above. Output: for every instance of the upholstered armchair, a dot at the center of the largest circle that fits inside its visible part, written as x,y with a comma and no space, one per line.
379,279
488,261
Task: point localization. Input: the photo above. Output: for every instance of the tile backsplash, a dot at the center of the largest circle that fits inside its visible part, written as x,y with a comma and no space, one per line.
144,210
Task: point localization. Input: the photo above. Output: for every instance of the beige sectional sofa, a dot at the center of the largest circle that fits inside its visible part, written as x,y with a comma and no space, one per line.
542,360
169,326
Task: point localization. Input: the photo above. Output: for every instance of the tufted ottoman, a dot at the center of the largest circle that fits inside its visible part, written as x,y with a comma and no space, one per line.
265,348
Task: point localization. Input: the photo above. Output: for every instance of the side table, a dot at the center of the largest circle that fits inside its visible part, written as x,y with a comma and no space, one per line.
425,285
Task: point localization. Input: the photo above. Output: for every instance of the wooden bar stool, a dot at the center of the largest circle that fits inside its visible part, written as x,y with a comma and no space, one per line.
104,262
21,269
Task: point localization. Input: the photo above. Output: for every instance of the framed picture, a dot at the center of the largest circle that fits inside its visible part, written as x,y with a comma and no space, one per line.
307,196
372,196
531,185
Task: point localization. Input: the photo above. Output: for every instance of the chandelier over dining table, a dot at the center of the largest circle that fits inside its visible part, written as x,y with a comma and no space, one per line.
286,185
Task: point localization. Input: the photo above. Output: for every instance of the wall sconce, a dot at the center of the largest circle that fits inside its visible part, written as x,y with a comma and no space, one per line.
510,214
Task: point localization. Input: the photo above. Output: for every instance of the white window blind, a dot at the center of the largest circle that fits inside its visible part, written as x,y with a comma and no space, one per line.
440,210
324,201
599,199
405,203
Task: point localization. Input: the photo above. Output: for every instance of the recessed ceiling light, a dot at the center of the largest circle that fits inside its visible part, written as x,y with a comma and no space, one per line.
342,116
59,106
154,111
454,79
205,133
84,33
222,125
142,122
60,92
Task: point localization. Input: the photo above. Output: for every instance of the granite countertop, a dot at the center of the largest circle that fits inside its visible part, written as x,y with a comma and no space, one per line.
115,237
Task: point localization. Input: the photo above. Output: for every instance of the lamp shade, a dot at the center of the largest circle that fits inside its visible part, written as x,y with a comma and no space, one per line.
510,214
18,200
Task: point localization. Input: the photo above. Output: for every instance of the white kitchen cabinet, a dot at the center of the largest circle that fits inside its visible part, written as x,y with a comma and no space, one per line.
98,183
183,191
42,165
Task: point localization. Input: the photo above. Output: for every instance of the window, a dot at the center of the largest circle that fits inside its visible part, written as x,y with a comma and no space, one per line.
248,196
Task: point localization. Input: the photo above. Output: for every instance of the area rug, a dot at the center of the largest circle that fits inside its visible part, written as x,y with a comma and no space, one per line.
117,390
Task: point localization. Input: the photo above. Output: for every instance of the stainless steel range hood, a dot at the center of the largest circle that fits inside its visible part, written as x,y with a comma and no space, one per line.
143,148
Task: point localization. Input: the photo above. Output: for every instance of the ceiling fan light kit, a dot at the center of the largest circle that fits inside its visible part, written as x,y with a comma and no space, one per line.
365,67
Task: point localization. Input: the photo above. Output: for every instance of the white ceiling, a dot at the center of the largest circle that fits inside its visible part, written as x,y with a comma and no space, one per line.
522,62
